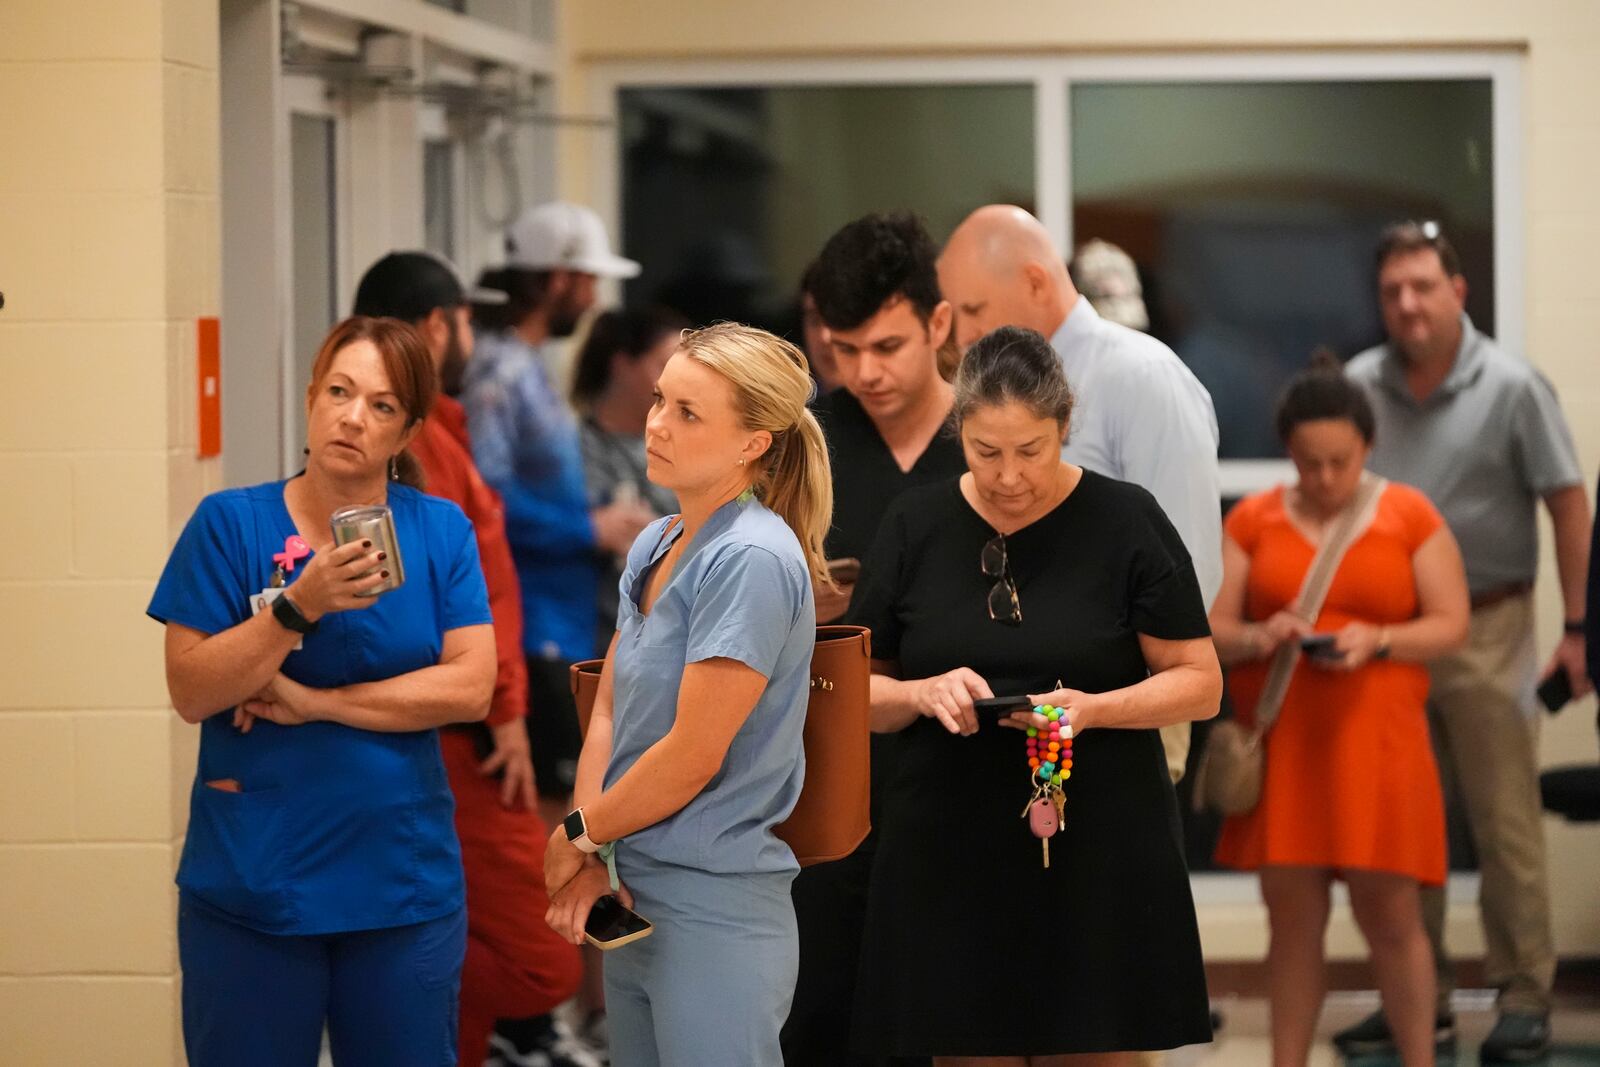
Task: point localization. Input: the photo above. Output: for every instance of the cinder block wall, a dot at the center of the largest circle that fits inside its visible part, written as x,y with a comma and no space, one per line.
109,250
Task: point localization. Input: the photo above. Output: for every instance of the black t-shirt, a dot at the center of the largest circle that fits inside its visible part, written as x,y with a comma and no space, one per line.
1101,568
866,478
866,481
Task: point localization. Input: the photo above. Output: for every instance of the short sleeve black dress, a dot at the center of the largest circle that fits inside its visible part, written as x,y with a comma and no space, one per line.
972,947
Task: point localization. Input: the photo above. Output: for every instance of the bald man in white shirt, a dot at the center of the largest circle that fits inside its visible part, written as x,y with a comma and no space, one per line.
1141,415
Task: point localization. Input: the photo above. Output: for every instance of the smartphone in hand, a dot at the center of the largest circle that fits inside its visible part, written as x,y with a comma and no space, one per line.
1000,707
611,925
1320,647
1555,692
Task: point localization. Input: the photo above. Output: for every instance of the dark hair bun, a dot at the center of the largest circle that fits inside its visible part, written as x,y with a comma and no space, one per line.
1013,364
1325,361
1322,391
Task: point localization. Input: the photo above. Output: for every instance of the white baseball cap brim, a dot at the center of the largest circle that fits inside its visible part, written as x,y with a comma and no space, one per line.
607,266
564,236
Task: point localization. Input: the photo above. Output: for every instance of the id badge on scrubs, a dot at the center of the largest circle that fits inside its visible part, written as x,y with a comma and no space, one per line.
262,601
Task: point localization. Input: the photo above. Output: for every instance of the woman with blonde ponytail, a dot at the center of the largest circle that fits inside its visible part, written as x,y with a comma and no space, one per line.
694,752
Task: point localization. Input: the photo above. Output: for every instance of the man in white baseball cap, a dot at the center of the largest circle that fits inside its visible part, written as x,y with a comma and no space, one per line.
554,254
526,444
562,236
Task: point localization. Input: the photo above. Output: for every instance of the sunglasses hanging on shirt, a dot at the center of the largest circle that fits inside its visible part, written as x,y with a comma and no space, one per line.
1003,603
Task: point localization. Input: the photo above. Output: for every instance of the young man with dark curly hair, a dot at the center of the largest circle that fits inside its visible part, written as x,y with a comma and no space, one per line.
876,289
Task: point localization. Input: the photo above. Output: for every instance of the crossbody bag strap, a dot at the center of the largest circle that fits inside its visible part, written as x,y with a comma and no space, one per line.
1345,531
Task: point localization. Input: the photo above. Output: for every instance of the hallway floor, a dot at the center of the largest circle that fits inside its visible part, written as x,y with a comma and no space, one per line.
1243,1042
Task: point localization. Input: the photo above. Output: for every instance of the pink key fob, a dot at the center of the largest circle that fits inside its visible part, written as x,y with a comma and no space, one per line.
1042,818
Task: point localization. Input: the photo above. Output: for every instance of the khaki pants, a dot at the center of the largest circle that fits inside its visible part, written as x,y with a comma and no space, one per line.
1175,744
1486,741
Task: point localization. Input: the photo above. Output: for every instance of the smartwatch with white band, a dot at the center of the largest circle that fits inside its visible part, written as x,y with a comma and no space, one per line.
578,832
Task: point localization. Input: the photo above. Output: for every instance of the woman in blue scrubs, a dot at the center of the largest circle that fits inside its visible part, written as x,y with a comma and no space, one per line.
321,882
694,753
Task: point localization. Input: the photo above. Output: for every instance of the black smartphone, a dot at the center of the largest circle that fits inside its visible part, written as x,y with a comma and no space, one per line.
1000,707
610,925
1320,646
1555,692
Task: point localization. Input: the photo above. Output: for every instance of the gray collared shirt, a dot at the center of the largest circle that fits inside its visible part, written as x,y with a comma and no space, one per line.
1141,416
1483,446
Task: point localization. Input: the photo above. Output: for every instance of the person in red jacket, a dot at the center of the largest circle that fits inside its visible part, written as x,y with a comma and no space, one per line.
516,966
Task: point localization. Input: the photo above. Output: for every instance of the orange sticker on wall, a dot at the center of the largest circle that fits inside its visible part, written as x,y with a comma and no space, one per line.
208,363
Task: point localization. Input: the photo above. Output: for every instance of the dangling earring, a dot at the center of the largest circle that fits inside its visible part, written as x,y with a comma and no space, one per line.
394,469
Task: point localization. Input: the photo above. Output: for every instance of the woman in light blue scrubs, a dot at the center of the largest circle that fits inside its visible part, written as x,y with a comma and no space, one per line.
694,752
321,882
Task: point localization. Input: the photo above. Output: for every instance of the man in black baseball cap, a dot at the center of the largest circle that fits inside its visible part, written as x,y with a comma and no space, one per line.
516,968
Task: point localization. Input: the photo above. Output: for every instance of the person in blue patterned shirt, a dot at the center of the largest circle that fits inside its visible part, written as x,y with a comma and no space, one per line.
526,445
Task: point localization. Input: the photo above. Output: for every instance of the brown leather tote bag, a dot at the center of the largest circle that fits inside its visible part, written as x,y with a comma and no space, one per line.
584,677
832,815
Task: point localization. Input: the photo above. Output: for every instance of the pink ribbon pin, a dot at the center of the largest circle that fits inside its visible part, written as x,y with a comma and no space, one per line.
294,548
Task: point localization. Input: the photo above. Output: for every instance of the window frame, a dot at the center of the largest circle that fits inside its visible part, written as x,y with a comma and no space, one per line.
1052,78
312,97
378,172
436,127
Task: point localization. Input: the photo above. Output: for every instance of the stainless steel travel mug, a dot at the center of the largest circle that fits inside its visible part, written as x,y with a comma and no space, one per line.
375,523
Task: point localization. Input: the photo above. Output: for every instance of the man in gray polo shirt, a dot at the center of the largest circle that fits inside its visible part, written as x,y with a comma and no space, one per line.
1480,432
1140,416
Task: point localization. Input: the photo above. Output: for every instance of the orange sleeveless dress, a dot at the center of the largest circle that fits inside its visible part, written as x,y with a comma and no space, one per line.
1350,781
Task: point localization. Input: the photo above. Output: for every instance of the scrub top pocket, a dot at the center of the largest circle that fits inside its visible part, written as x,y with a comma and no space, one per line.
241,871
639,667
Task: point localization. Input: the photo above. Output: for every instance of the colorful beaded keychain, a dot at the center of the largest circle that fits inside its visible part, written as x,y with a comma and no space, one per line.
1049,764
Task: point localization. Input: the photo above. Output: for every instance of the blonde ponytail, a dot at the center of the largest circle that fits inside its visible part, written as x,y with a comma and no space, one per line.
798,484
772,385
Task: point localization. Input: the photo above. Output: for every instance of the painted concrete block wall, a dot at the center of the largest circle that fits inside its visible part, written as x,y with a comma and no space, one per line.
108,253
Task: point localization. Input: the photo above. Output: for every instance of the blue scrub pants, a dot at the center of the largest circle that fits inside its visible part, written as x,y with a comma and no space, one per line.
388,997
711,986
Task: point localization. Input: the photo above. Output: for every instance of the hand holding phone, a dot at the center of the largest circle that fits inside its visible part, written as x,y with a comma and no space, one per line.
611,925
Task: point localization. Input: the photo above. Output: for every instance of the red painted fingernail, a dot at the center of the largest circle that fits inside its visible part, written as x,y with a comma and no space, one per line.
366,544
382,556
383,574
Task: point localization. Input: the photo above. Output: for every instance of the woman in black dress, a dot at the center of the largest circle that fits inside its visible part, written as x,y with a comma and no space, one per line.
1026,575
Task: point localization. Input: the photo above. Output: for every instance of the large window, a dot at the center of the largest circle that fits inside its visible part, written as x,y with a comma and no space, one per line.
1249,188
728,193
1250,208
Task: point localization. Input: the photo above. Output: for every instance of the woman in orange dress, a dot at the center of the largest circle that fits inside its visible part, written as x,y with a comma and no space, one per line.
1351,789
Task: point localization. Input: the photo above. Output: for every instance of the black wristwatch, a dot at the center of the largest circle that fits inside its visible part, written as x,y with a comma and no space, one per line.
1571,627
578,831
289,617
